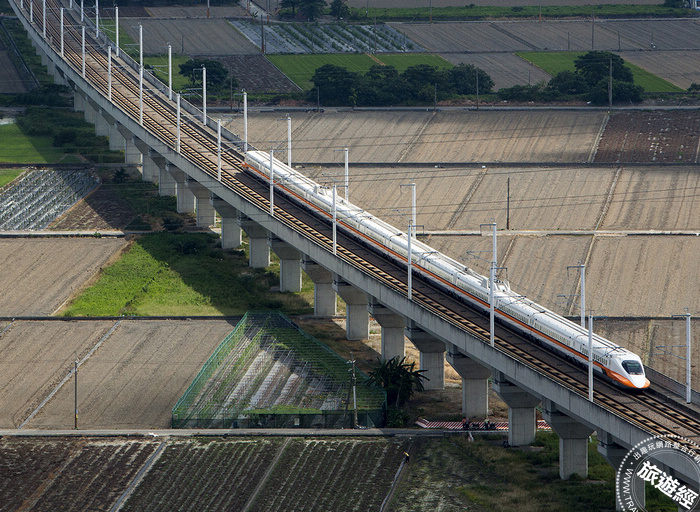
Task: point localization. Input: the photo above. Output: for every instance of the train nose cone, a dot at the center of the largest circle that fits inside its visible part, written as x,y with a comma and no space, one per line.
639,381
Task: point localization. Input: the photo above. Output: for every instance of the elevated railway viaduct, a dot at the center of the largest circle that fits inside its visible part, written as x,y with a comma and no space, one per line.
178,145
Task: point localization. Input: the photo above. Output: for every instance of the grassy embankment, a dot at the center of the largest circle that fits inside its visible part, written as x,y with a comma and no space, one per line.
454,474
556,62
479,12
184,275
7,175
301,68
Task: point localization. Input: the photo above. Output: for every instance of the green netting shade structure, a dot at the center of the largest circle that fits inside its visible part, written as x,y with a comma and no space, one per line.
268,373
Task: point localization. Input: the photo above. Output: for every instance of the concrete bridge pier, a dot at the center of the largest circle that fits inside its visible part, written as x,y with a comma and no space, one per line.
522,422
432,355
153,162
79,100
393,340
614,453
257,237
185,197
475,383
90,112
116,139
324,295
231,233
101,123
573,441
132,155
206,215
167,186
356,314
290,264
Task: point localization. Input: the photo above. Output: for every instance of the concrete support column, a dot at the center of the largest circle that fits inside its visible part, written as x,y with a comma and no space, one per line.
79,101
185,197
573,441
90,113
475,383
432,355
101,124
257,236
206,216
393,340
614,453
290,264
167,186
116,139
231,233
59,79
356,314
522,422
132,154
153,162
50,67
324,295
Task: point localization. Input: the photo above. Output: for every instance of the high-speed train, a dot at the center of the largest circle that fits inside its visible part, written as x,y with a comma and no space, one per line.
611,361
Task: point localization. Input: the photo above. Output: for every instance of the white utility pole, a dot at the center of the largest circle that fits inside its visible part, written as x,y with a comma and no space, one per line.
116,24
97,19
170,72
590,358
140,74
204,95
492,285
335,220
177,141
410,261
245,122
62,33
272,184
82,11
289,140
83,49
109,73
347,176
218,149
31,11
688,366
43,18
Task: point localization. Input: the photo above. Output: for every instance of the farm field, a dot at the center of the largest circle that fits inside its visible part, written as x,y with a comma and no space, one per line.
136,376
255,73
446,136
199,37
10,81
651,136
361,4
556,62
17,148
37,282
505,69
681,68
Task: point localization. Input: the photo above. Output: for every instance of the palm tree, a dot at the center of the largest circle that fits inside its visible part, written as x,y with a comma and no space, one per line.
399,378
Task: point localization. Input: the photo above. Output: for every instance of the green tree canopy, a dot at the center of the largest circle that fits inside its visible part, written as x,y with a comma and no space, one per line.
399,378
595,66
312,9
339,9
217,74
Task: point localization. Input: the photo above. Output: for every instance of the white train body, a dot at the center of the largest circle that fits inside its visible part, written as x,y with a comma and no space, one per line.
568,338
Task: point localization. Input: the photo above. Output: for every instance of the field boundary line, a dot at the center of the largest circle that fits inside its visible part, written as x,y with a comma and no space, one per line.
594,149
264,478
397,477
139,476
70,374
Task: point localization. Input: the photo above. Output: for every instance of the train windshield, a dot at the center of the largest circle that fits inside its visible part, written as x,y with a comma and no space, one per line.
633,367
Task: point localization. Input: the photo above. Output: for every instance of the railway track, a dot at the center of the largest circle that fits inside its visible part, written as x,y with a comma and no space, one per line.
198,145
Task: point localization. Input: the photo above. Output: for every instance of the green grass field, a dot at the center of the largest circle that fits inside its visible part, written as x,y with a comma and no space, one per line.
301,68
556,62
183,274
404,61
7,175
160,69
16,147
477,12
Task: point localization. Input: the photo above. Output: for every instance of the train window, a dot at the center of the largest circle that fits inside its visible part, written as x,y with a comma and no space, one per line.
633,367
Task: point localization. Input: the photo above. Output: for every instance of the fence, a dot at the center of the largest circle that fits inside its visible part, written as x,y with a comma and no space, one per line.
268,373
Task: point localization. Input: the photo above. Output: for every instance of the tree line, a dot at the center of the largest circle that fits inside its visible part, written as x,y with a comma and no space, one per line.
384,85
